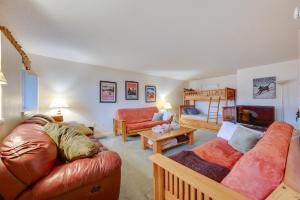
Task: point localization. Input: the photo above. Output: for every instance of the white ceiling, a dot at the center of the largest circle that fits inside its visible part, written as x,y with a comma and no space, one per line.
181,39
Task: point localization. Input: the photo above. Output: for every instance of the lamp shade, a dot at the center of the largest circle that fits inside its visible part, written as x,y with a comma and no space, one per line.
2,78
167,106
59,103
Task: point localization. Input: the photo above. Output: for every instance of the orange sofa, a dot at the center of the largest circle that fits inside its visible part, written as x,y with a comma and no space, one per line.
259,174
130,121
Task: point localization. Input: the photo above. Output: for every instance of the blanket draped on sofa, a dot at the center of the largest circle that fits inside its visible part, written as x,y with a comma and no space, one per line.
194,162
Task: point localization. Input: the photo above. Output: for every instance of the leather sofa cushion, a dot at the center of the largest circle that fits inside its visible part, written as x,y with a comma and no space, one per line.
28,153
261,169
218,151
146,124
136,115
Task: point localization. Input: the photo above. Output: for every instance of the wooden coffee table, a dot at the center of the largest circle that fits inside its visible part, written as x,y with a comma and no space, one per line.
158,140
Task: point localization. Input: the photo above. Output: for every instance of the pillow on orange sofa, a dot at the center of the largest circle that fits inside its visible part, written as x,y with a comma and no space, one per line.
157,116
261,169
227,129
244,139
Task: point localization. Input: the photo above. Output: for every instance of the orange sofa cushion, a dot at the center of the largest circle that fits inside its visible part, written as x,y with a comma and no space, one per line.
261,169
218,151
147,124
136,115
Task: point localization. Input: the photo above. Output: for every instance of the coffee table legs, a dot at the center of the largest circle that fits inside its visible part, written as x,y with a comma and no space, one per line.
191,137
143,142
157,147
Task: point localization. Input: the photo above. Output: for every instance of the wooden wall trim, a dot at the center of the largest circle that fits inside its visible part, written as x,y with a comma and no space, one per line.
25,59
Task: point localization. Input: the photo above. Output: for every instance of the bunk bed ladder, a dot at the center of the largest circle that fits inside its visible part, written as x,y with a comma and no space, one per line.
213,110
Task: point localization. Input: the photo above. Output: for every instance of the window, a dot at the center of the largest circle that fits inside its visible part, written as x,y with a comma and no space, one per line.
29,91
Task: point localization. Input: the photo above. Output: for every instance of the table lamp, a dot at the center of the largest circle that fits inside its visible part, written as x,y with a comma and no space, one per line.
167,106
59,103
2,79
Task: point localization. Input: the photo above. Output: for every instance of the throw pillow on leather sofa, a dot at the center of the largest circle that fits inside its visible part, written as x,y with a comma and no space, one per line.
71,143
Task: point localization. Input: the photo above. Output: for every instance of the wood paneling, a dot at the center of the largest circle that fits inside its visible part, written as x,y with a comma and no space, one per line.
11,38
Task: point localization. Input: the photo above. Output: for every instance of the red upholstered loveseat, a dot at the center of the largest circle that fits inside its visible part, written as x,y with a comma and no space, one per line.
129,121
30,169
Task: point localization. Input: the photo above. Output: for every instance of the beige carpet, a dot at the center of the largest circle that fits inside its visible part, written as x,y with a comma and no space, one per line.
137,179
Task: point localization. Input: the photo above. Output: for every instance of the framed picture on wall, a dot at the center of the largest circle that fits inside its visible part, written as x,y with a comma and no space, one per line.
108,92
131,90
150,94
264,88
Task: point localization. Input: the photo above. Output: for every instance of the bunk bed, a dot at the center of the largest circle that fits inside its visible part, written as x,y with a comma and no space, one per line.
212,120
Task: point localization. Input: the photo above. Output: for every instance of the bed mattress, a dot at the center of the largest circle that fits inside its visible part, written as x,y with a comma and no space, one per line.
200,117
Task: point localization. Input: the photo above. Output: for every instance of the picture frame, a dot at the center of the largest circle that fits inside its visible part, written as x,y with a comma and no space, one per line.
150,93
108,92
264,88
131,90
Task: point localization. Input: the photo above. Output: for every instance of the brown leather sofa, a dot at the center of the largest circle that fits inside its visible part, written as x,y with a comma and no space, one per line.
30,169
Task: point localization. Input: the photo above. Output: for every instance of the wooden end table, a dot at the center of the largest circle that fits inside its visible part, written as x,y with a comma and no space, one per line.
158,140
58,118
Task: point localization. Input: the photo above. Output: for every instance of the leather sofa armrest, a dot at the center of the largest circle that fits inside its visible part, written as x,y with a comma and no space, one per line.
78,174
10,186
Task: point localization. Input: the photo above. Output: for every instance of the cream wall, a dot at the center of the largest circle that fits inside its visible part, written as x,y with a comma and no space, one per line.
214,83
11,65
79,85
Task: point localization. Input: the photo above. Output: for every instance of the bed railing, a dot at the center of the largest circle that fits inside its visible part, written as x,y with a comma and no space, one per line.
205,95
